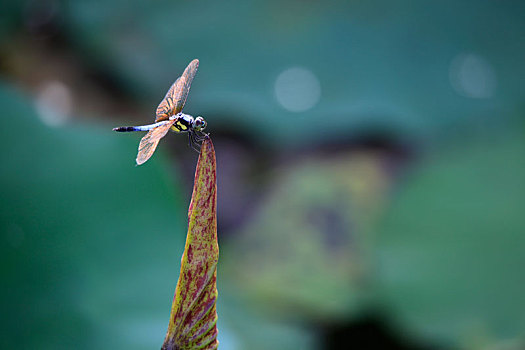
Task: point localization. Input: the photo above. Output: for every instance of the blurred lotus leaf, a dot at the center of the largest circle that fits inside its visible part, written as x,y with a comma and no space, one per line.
307,252
452,248
85,236
365,68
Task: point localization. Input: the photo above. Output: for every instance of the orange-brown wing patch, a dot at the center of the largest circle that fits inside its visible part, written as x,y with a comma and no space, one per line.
176,96
149,142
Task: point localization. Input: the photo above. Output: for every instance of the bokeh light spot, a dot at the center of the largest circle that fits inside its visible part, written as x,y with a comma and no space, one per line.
54,103
297,89
472,76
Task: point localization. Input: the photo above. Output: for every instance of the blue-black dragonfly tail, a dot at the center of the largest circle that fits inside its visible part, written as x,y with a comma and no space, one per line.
126,129
139,128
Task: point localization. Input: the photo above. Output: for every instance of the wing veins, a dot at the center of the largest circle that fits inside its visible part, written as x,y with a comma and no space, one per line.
149,142
177,94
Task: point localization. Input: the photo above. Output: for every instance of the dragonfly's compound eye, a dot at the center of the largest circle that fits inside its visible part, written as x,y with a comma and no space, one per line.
200,123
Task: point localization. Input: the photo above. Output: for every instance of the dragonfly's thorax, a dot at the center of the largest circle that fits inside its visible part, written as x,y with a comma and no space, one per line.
183,122
186,119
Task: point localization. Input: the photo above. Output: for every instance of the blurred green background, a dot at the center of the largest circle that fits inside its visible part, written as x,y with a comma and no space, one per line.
371,167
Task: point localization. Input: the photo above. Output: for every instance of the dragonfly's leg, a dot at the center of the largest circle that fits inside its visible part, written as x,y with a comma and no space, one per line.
191,142
200,136
197,143
196,147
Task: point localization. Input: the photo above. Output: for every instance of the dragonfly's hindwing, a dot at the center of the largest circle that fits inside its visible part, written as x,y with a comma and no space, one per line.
149,142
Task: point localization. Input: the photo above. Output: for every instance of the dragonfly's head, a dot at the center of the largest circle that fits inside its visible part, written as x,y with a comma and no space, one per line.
199,124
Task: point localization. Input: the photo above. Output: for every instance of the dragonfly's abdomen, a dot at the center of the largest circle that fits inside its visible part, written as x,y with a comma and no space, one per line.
126,129
140,127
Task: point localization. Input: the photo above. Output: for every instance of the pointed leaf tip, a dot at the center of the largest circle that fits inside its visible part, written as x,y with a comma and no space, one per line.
193,319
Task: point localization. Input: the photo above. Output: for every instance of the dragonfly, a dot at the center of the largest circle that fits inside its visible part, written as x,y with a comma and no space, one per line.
169,116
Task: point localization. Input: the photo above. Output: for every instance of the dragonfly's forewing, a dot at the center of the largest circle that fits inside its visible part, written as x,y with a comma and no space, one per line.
176,96
149,142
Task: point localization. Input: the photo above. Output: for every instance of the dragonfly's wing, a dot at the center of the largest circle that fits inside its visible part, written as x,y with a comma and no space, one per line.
176,96
149,142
